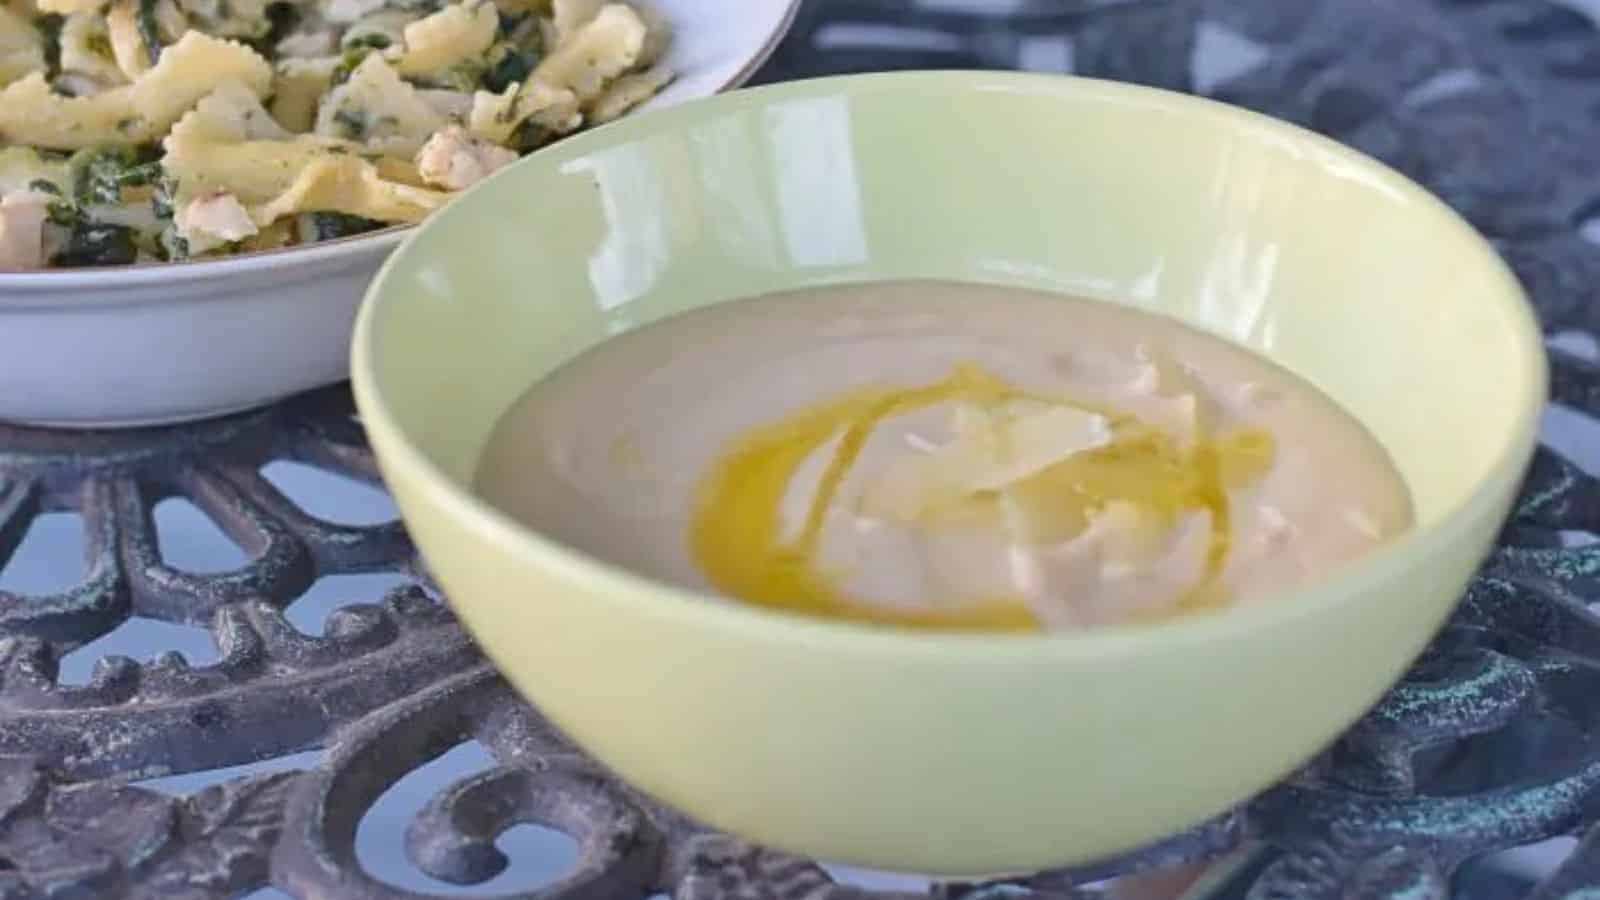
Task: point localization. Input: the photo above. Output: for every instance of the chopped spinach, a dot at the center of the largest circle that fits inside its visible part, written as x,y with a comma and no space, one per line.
348,63
422,6
511,67
510,22
357,124
464,76
376,31
372,40
282,18
99,174
44,186
161,200
142,175
49,27
97,245
171,247
279,22
530,136
325,226
521,29
353,122
64,214
149,29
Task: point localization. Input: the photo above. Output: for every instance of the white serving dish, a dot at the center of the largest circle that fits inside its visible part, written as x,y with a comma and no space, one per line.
171,342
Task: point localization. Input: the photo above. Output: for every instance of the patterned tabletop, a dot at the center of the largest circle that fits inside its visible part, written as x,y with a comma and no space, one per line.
1489,744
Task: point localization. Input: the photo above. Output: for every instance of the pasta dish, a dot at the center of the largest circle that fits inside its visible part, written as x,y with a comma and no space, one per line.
157,130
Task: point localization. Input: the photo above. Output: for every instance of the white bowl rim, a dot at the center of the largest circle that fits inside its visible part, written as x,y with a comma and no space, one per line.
491,525
20,288
17,288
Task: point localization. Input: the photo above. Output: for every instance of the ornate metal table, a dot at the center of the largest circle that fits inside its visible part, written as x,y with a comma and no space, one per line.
1491,742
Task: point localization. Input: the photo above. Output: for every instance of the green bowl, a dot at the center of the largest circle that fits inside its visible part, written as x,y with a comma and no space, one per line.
967,753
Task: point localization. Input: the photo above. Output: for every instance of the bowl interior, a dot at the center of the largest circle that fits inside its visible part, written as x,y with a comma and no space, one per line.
1272,237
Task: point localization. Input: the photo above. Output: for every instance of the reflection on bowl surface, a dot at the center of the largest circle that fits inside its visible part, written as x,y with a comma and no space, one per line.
953,753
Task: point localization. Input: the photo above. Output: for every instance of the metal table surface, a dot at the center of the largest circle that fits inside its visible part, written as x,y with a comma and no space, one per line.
309,722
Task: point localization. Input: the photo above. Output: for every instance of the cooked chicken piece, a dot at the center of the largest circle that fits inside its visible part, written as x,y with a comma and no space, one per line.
22,218
455,160
214,219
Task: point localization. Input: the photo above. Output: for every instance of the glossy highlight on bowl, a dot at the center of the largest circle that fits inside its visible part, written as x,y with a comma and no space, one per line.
957,753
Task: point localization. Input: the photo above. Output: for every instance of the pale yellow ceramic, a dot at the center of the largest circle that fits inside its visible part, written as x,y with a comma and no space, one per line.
967,753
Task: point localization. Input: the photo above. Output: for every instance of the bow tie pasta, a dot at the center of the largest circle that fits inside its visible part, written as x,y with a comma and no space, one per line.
158,130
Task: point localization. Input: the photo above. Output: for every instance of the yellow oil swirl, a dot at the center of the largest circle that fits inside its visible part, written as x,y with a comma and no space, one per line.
737,531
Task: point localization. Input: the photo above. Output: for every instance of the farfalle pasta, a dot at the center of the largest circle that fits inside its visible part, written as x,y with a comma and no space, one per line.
158,130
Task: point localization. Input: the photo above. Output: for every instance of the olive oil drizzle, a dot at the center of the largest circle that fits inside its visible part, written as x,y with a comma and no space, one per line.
737,539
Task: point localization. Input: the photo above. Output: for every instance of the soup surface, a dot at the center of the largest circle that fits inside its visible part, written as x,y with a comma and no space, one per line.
945,455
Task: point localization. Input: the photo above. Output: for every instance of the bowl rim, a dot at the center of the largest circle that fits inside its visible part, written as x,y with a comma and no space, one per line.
486,523
15,285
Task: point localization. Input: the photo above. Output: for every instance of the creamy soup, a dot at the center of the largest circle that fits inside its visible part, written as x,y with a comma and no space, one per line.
945,455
